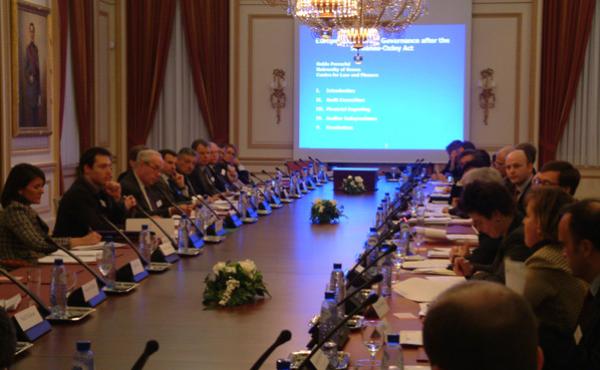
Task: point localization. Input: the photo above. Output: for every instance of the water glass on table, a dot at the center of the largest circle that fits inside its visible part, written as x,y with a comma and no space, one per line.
372,336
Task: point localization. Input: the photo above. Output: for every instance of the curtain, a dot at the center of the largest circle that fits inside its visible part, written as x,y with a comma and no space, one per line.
580,143
149,26
63,23
178,120
565,32
206,24
82,54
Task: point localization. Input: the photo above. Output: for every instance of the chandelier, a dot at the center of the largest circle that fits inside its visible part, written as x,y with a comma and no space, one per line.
358,23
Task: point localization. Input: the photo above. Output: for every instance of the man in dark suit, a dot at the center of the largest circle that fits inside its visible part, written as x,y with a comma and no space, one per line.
493,211
217,168
519,171
92,197
579,231
143,183
174,180
185,164
202,178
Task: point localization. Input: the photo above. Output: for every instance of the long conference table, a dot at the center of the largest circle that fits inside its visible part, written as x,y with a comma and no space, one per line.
296,259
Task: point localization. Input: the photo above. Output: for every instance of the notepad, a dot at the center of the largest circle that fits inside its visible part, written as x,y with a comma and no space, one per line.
67,260
433,263
411,337
421,289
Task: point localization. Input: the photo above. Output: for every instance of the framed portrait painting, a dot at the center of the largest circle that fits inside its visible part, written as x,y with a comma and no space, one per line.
30,59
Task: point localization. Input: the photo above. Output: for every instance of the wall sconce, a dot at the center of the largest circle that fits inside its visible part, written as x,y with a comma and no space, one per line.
278,97
487,96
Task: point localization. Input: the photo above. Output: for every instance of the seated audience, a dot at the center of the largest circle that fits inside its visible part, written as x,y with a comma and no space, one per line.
558,173
8,340
143,183
173,179
453,149
494,213
481,326
23,235
499,160
202,178
92,197
579,232
519,171
554,294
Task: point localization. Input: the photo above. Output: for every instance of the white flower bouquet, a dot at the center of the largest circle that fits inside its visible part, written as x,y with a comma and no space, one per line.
353,185
233,284
325,212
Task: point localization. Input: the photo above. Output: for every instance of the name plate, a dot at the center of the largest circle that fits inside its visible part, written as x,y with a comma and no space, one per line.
136,267
381,307
28,318
359,269
12,303
90,290
320,360
166,249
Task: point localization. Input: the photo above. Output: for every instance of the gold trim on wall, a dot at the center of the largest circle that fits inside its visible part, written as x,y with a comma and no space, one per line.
250,57
519,18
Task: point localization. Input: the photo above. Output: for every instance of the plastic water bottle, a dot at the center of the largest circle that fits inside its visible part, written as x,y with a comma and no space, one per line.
337,283
379,217
145,243
183,234
58,289
393,358
386,270
329,316
372,239
405,237
388,203
84,357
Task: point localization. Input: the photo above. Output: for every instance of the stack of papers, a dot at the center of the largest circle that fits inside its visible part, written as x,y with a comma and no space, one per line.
431,232
85,256
425,264
425,290
439,253
95,247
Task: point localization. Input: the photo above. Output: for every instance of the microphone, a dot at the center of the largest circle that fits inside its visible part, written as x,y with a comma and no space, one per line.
224,197
260,181
381,239
374,280
283,337
267,174
128,241
158,226
205,203
76,258
277,168
151,347
391,249
369,301
41,305
172,204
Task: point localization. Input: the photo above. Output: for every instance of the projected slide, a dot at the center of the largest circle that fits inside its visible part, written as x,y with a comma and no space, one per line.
408,94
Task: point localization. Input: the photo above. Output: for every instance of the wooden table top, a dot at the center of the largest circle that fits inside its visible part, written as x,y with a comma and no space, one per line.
296,259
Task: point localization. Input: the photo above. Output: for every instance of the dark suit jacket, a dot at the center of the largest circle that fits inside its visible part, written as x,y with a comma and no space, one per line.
80,209
158,194
203,181
219,173
586,355
176,193
486,252
522,196
512,246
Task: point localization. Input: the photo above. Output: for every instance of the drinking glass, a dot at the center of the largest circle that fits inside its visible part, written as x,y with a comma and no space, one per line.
372,337
34,283
71,282
106,265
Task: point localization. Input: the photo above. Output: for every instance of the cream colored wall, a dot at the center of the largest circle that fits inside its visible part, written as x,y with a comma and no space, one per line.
504,38
41,151
109,129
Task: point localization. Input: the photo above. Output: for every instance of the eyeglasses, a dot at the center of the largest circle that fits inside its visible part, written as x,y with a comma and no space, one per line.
541,182
155,168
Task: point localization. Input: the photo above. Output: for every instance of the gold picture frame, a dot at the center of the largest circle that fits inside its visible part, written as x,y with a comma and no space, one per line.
31,68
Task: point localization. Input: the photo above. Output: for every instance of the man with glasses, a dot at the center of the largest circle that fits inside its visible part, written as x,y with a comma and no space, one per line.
143,183
558,173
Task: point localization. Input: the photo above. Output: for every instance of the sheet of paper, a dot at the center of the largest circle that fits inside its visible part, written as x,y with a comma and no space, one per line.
97,246
515,275
423,308
432,253
421,289
405,315
459,237
79,253
431,232
433,263
411,337
434,271
450,280
69,260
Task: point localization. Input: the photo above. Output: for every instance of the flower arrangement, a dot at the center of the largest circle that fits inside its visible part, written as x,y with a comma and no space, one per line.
325,212
353,185
233,284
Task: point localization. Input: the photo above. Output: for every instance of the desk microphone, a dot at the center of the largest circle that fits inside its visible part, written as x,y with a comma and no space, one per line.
392,248
42,307
76,258
207,205
283,337
128,241
158,226
374,280
151,347
172,204
369,301
278,169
